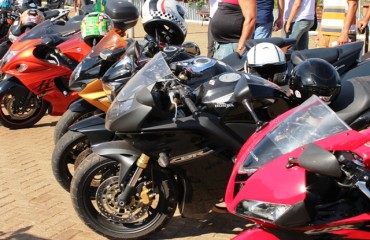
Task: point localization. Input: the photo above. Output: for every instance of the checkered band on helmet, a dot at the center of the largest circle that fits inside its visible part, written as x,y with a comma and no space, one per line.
169,17
164,19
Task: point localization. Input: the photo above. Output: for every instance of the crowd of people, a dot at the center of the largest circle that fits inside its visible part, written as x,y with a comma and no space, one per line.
253,19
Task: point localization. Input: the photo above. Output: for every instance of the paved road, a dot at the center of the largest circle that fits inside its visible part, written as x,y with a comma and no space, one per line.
33,206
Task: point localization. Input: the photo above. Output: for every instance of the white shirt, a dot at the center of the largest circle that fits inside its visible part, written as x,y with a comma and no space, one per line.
306,10
213,5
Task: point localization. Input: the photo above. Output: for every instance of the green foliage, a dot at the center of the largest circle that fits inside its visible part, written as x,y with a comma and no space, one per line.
198,3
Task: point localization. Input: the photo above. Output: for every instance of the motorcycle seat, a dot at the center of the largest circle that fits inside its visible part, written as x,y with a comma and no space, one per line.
280,42
362,69
331,55
77,18
353,99
51,14
237,62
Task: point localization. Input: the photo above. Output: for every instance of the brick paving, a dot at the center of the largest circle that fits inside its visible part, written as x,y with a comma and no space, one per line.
33,205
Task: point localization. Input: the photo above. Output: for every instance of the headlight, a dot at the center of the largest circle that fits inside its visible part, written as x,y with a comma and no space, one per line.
116,109
110,89
11,37
8,56
261,210
75,74
76,84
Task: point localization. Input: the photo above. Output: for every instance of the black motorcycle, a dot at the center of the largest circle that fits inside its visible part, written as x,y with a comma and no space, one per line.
94,67
66,155
177,144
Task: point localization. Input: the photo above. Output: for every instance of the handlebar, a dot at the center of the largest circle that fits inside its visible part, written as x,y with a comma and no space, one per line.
357,174
185,95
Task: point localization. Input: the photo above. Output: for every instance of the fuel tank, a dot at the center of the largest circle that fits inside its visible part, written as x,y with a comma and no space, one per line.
217,94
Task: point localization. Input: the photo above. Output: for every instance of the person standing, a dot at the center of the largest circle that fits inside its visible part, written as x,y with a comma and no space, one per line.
337,18
299,17
213,5
265,18
232,24
362,23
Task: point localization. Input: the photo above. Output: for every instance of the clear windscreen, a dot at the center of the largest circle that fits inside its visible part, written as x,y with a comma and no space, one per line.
111,41
311,121
40,30
155,70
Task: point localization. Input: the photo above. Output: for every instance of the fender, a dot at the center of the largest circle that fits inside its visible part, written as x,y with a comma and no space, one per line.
121,151
255,233
94,129
81,105
12,83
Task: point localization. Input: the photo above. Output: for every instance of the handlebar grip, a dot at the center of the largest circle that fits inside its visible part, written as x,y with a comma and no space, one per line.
68,61
191,105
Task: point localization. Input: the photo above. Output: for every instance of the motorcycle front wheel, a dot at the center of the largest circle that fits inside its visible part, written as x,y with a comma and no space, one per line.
67,155
21,110
68,118
94,192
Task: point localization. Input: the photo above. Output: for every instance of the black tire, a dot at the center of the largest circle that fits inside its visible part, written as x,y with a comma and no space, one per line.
68,118
97,173
65,154
15,115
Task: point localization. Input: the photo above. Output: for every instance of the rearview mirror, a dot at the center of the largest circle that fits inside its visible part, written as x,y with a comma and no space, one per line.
110,55
318,160
242,91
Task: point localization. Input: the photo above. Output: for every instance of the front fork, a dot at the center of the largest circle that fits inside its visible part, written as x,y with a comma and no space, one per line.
141,165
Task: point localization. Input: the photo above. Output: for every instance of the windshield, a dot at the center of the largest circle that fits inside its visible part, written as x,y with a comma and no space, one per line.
40,30
155,70
110,41
311,121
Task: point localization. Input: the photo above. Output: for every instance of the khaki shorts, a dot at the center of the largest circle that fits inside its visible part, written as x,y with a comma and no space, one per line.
326,41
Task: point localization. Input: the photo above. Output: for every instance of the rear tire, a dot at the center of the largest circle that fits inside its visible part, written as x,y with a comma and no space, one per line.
68,118
14,114
66,152
94,191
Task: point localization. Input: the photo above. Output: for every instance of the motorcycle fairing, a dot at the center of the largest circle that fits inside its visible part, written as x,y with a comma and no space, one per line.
93,128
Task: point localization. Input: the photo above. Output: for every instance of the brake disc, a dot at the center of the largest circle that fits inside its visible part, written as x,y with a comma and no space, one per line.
18,112
106,198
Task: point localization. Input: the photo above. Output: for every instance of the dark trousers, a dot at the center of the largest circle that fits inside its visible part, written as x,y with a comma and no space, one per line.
211,42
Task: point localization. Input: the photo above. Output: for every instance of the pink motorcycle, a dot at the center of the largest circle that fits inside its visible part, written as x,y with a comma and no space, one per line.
303,176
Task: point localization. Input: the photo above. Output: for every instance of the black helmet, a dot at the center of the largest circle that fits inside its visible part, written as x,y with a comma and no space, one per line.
164,19
315,76
123,13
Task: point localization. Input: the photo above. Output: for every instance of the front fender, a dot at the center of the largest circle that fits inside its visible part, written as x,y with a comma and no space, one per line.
94,129
255,233
122,152
11,83
81,105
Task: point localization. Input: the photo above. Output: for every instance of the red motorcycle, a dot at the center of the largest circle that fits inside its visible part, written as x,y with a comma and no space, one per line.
303,176
36,73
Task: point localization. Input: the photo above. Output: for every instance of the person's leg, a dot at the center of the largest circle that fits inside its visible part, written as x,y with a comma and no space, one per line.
262,30
223,50
211,42
333,41
298,30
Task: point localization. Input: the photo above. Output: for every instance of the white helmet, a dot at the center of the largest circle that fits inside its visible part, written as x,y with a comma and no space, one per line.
164,19
266,60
